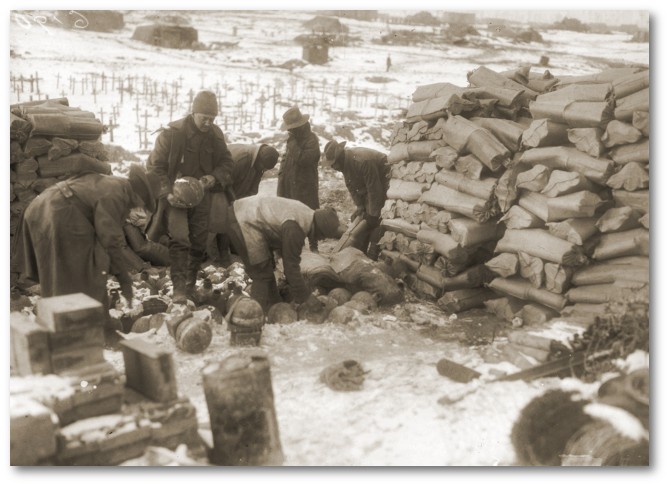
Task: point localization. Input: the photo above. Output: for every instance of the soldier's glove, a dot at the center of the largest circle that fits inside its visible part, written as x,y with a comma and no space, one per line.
207,181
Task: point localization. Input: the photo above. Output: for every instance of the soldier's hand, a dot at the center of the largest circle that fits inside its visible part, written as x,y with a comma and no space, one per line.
207,181
358,212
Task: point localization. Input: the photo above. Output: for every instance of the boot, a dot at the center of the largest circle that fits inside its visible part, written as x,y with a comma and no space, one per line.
194,262
178,271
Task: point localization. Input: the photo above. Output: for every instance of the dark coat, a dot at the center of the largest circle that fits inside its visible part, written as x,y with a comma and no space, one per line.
245,177
367,177
70,245
298,174
183,150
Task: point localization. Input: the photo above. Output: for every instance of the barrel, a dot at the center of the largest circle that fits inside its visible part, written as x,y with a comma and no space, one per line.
240,400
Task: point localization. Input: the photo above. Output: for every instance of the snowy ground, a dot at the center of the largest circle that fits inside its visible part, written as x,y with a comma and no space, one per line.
397,418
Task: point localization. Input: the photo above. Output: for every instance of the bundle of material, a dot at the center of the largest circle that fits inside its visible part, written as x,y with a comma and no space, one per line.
50,141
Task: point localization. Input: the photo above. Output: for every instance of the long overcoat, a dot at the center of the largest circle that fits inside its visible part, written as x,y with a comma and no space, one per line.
298,173
72,235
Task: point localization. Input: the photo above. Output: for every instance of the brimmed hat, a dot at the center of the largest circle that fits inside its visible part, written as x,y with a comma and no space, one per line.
333,149
293,118
327,222
145,184
205,102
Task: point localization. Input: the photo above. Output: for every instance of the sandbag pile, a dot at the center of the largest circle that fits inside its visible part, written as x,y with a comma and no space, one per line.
504,191
574,208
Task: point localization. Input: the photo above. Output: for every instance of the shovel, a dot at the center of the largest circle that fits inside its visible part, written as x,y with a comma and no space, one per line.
352,233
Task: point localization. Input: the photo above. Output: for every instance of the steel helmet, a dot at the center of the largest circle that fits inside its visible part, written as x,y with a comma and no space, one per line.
187,192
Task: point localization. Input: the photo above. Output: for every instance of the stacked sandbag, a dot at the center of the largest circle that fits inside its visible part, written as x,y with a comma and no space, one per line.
442,211
573,197
50,141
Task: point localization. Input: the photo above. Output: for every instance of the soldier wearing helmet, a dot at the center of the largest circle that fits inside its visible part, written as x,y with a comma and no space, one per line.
192,159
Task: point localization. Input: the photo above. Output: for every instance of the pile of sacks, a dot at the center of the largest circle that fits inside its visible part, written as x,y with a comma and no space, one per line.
523,184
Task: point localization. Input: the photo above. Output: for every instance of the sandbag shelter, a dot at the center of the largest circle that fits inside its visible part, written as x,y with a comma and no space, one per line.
315,49
166,35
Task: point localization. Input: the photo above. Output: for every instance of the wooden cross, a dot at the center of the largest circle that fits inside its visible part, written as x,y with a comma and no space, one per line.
202,78
137,109
31,80
261,101
113,81
95,92
103,81
111,129
146,119
120,88
102,116
57,80
171,107
158,110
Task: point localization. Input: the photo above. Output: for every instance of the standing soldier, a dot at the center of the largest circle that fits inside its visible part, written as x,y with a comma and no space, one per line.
388,63
367,177
192,153
298,174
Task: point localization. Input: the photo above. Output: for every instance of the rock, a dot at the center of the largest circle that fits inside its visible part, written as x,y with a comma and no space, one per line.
193,335
342,314
367,298
328,302
361,307
141,325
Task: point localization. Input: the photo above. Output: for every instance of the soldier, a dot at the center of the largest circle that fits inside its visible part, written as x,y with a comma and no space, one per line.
251,161
195,148
298,174
367,177
259,225
72,237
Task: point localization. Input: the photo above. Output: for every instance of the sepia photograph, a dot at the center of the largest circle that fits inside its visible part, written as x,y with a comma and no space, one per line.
300,236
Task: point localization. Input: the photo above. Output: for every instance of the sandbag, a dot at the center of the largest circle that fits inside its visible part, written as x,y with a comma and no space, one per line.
458,202
70,165
401,226
413,150
645,221
628,85
570,159
506,131
638,101
558,277
542,244
61,125
483,77
405,190
561,183
439,90
19,129
504,264
36,146
620,133
635,200
580,92
601,294
531,268
498,97
93,149
318,273
471,167
62,147
524,290
468,232
641,121
532,315
505,191
626,243
607,273
445,157
465,136
587,140
535,203
634,152
606,76
464,299
443,244
433,108
631,177
574,230
472,277
505,308
133,262
575,114
545,133
582,204
149,251
534,179
360,273
519,218
482,189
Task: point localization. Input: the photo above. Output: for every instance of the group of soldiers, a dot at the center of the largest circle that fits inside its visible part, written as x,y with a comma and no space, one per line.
202,195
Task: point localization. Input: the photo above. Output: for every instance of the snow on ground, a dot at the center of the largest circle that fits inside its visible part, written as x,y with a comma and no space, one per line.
398,418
